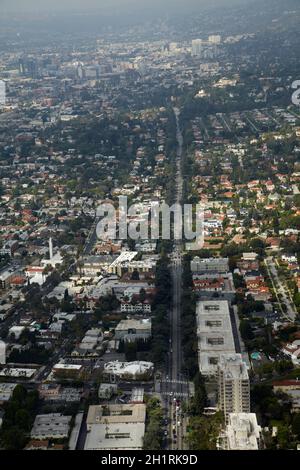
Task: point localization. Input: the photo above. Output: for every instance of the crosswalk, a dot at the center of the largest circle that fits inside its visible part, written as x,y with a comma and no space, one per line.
181,382
175,394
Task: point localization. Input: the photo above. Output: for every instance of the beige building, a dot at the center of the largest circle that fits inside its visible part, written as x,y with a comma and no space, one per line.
241,433
133,329
115,427
214,332
233,385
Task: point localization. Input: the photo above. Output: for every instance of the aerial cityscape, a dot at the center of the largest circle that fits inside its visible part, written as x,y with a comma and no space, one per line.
150,226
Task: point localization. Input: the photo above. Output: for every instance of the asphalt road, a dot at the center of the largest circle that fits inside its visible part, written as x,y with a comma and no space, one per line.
174,386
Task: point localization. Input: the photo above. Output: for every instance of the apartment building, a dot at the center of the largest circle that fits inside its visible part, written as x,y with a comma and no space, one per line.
51,426
208,265
214,332
233,385
242,433
133,329
115,427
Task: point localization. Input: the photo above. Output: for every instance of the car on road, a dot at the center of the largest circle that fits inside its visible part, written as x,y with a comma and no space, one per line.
123,398
165,432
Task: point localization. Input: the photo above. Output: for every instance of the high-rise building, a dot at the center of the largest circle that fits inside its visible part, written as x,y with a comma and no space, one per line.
2,93
214,39
197,47
233,385
29,68
50,248
2,352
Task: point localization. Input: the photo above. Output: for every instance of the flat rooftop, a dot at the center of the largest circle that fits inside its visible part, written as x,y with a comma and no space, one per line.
116,413
128,324
243,432
233,367
115,436
214,332
124,257
17,372
53,424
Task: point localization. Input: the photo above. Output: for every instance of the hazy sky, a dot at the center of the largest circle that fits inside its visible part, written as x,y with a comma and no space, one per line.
107,5
88,15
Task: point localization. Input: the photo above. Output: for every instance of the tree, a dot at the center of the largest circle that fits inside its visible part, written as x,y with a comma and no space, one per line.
13,439
66,295
296,425
142,296
153,434
246,330
199,400
283,366
19,394
130,351
23,419
204,431
135,276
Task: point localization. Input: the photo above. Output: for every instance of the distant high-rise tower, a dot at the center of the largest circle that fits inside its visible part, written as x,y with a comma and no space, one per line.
2,93
29,68
22,68
197,47
233,385
2,352
215,39
50,248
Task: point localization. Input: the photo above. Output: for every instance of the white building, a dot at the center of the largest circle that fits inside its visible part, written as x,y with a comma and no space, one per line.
2,352
132,329
2,93
122,261
208,265
127,307
6,277
214,39
51,426
214,332
197,47
293,352
36,275
233,385
54,259
249,256
93,265
115,427
135,370
16,331
18,372
241,433
6,391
